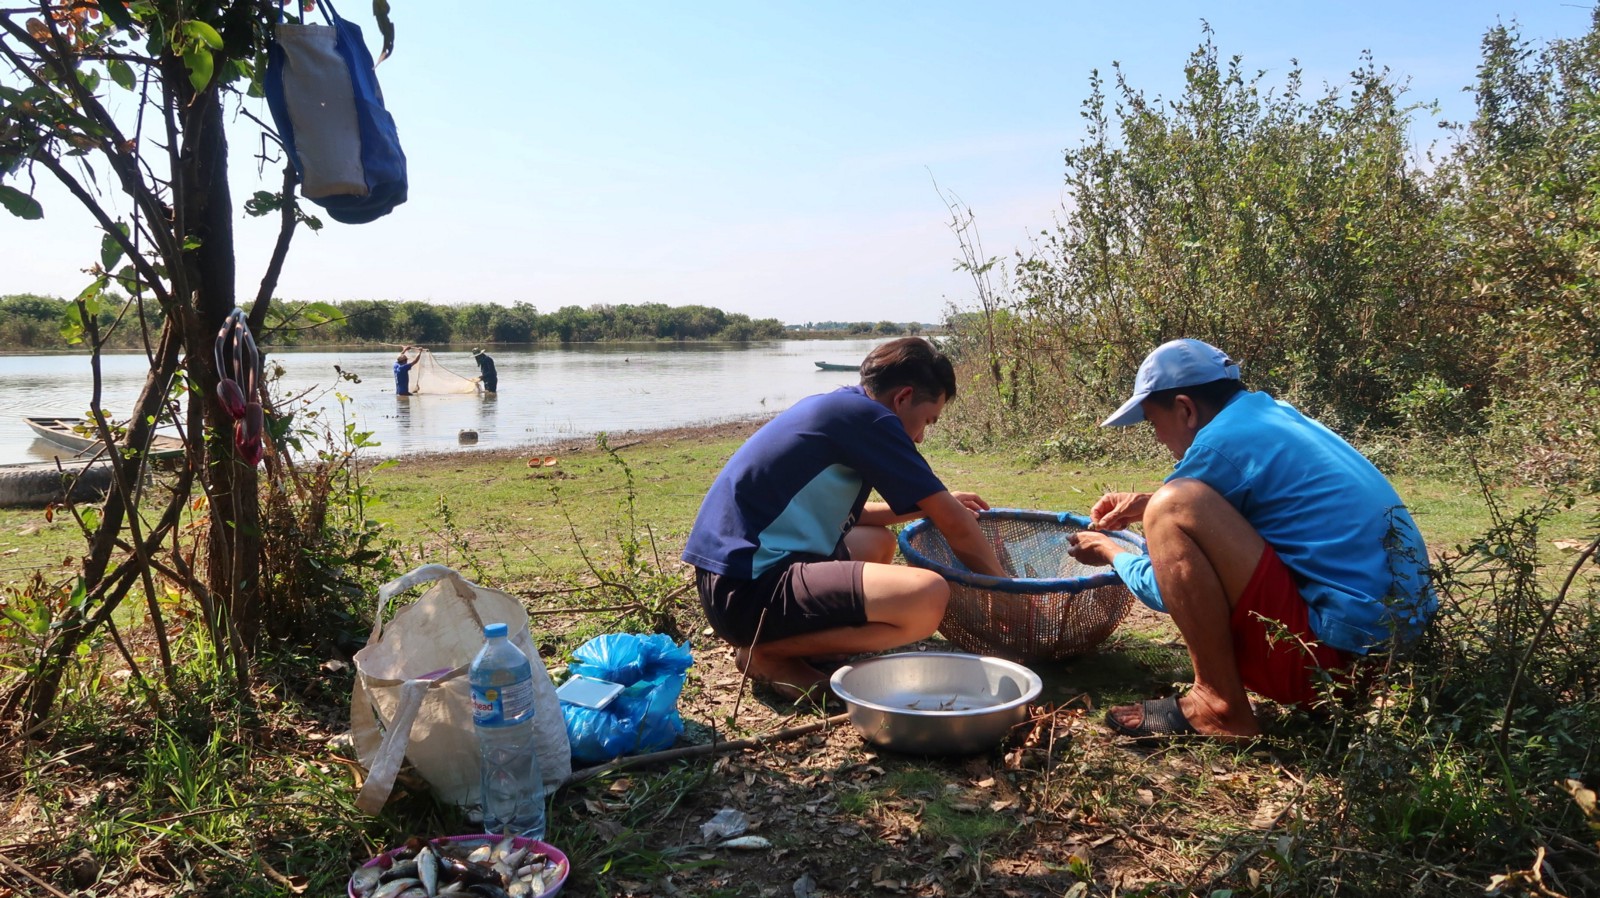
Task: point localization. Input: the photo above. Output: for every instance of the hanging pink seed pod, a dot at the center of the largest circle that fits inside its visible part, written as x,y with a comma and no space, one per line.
231,397
251,453
247,434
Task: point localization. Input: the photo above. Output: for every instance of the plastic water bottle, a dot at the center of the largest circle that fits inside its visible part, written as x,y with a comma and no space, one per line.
502,711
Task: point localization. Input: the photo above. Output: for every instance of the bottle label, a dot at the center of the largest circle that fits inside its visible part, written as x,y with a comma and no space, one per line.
495,706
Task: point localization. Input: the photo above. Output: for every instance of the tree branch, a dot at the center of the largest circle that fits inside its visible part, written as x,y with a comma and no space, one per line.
280,251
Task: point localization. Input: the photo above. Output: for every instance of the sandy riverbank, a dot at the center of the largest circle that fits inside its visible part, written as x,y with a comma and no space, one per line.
739,429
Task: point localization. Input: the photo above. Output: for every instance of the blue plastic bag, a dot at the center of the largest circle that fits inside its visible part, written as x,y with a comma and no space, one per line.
644,716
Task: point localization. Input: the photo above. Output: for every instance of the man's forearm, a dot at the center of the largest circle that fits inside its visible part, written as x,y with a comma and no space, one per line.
879,514
980,559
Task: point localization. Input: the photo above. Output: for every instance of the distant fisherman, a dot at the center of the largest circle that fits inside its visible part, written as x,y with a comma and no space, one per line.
402,371
491,380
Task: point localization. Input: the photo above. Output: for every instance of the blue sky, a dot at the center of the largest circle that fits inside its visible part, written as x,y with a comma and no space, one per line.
775,159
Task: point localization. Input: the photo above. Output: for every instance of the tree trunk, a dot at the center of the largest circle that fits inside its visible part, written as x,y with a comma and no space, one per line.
206,206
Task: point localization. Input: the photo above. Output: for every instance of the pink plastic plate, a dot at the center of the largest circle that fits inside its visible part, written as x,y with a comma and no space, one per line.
554,853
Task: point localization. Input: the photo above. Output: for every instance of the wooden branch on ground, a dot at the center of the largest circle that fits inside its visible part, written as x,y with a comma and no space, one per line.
11,865
629,762
631,606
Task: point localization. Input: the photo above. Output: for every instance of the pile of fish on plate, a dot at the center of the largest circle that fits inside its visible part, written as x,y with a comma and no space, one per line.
490,867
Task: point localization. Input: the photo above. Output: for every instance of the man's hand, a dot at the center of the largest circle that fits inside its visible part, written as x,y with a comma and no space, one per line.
972,501
1114,511
1097,549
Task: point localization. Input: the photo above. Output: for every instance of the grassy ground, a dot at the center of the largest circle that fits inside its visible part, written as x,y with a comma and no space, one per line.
517,521
210,799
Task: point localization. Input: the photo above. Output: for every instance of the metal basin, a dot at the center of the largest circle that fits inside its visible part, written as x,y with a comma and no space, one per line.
936,703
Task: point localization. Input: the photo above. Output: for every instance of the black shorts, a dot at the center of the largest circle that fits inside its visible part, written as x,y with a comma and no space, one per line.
808,594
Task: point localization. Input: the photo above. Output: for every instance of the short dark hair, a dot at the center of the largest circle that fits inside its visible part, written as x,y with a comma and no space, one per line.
909,362
1211,396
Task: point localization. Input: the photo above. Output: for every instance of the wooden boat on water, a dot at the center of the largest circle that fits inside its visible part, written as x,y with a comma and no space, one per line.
64,432
833,366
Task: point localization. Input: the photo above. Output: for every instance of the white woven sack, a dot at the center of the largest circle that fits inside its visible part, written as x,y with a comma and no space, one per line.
322,107
412,698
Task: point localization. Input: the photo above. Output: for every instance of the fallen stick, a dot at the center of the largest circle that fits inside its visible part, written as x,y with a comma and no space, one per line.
9,864
628,762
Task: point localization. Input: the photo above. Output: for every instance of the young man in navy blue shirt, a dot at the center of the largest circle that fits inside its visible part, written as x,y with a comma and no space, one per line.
793,563
402,372
1277,548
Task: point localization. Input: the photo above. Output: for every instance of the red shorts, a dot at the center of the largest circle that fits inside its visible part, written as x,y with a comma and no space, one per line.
1278,654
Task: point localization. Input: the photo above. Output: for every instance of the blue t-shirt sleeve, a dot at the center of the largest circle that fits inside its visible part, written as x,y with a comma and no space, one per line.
1140,578
1215,470
887,459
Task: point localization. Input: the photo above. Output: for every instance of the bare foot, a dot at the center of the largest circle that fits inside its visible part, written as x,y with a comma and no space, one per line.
791,678
1211,716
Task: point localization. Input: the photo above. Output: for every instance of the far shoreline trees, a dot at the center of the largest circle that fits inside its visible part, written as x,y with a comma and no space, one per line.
29,322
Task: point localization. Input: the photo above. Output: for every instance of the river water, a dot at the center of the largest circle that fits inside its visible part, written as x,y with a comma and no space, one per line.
546,393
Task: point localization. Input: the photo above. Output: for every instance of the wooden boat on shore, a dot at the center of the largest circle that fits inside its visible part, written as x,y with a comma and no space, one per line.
833,366
63,432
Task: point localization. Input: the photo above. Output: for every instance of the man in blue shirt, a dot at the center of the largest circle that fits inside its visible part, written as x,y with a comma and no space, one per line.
1277,548
792,562
402,372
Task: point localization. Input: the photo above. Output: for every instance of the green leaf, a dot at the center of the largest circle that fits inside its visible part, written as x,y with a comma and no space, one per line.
117,12
20,204
380,11
203,33
263,202
319,313
89,78
71,325
236,70
199,63
90,295
121,73
128,278
111,247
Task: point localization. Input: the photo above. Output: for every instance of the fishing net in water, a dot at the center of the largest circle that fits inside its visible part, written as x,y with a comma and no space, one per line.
428,376
1052,606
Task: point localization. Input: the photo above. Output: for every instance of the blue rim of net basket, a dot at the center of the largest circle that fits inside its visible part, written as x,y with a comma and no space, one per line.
1020,585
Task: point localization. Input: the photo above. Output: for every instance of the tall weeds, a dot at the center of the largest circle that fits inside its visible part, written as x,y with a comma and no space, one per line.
1458,774
1373,286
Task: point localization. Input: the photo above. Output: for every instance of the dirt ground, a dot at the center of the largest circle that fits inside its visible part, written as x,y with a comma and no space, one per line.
1035,816
844,818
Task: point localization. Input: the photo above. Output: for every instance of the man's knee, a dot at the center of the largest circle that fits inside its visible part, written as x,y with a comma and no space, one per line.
1184,499
913,599
869,543
1190,526
934,597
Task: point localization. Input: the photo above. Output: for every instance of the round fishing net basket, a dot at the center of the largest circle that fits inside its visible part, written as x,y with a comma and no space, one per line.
1051,607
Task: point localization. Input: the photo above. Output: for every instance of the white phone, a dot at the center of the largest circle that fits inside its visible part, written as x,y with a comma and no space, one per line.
588,692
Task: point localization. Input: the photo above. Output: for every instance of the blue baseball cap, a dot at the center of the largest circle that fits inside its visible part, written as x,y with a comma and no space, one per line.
1179,363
